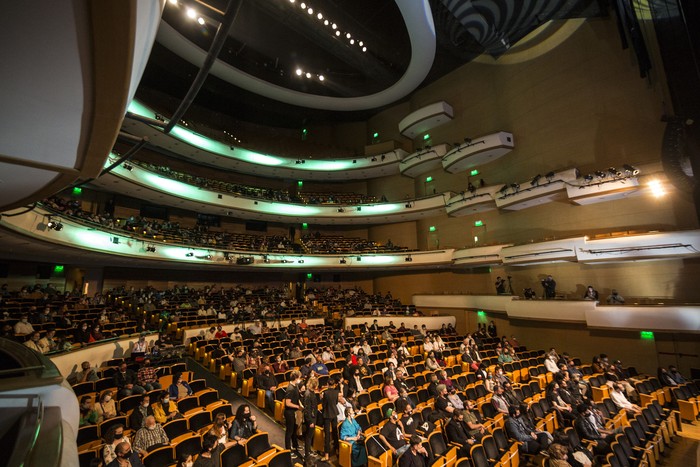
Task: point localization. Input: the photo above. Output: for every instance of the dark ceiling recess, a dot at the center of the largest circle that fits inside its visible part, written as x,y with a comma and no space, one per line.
271,39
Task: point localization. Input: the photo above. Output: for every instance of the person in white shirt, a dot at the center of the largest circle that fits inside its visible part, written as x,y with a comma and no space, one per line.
550,363
23,326
366,348
210,334
618,397
428,345
403,350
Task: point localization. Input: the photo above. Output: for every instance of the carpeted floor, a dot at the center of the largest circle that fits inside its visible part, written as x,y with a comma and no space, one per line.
265,420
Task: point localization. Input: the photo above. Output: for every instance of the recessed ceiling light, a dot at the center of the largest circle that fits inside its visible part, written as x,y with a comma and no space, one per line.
364,49
303,6
360,44
298,72
311,11
334,26
319,15
191,13
321,78
200,20
348,35
308,75
352,41
337,33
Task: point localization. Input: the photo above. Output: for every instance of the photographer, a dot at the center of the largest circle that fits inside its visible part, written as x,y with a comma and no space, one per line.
550,286
500,285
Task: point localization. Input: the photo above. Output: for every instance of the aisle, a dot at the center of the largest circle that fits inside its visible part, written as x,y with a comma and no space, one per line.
265,421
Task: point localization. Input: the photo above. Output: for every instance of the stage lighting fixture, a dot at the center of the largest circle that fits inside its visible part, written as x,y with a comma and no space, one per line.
383,156
342,261
341,210
408,259
600,174
549,176
630,170
614,172
515,187
374,159
301,261
535,180
359,258
189,255
456,145
588,177
503,189
409,205
151,249
115,240
266,260
128,167
467,140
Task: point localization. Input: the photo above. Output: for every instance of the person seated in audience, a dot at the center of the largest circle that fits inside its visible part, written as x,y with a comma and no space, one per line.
500,377
244,425
431,362
551,363
150,436
511,396
23,326
558,455
106,407
319,368
447,381
392,435
254,360
184,460
676,375
96,333
597,365
474,352
454,398
351,432
47,343
489,383
590,294
140,412
147,377
88,414
220,333
125,456
615,298
443,406
210,453
141,346
236,335
389,390
519,428
220,429
621,402
126,381
210,334
113,437
564,410
266,380
180,388
505,356
165,409
499,400
33,342
280,365
587,429
86,374
458,431
416,455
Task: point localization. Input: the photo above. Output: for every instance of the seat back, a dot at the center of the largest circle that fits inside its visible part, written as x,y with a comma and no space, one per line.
191,446
257,445
159,457
176,428
478,456
490,447
199,420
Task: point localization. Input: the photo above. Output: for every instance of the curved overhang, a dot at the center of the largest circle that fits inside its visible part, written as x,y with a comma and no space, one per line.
149,186
202,149
478,151
422,161
94,53
418,18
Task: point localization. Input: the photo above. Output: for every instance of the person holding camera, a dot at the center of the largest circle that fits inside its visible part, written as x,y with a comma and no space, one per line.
550,287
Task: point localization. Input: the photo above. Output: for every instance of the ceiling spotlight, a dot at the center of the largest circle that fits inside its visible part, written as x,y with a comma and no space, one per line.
173,2
348,35
337,33
614,172
630,170
364,49
325,23
360,43
334,26
308,75
298,72
352,41
515,187
191,13
549,176
599,174
342,261
319,15
321,78
311,11
292,1
536,180
189,255
200,20
303,6
588,177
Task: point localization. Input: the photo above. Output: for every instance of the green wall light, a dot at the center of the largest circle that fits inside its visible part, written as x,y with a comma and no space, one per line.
478,223
646,335
474,172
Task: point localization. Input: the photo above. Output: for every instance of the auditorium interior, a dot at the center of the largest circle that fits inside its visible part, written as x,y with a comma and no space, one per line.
171,169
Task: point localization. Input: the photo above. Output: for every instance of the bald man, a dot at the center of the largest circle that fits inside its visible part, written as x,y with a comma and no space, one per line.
125,457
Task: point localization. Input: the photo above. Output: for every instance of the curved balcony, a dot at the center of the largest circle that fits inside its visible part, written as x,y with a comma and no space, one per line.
423,161
201,149
159,189
478,151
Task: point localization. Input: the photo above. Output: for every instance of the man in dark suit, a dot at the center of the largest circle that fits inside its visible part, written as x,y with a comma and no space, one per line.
329,407
140,413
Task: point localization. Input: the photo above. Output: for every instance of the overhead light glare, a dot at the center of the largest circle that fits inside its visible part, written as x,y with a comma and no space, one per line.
348,35
319,15
334,26
200,20
173,2
298,72
311,11
321,78
352,41
337,33
308,75
657,188
364,49
191,13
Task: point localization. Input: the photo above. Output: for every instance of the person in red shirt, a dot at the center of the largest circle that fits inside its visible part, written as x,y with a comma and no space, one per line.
220,333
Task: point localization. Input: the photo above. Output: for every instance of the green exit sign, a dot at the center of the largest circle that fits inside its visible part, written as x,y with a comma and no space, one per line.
474,172
432,228
647,335
478,223
426,137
